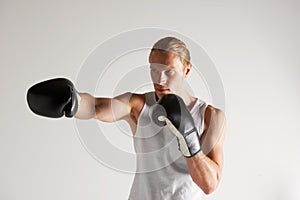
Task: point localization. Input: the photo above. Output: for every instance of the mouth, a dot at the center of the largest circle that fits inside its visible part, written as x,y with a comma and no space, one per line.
158,89
161,89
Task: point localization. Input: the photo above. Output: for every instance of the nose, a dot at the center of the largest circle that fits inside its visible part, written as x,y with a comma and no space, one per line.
161,78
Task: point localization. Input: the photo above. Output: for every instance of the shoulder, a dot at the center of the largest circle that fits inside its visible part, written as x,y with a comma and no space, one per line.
137,99
133,101
213,111
213,117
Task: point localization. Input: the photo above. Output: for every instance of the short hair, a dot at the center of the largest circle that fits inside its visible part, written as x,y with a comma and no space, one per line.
173,45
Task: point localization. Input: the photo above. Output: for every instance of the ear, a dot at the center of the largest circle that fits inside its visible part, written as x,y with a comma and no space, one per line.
187,70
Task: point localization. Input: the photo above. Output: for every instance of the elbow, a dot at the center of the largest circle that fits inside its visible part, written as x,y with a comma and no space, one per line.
212,185
208,187
209,190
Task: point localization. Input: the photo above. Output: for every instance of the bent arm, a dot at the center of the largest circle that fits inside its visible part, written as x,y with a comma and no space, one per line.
206,167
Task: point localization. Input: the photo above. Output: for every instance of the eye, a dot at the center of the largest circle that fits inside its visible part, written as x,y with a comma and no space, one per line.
170,72
154,70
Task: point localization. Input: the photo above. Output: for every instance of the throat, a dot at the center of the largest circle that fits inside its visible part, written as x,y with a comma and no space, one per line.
191,104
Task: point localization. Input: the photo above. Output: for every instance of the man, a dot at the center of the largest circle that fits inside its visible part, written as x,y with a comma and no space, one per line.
199,128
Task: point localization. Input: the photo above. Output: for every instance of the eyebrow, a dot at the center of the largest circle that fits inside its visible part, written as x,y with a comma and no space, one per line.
155,65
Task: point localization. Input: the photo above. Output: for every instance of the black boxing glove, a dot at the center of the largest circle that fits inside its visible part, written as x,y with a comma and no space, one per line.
171,110
53,98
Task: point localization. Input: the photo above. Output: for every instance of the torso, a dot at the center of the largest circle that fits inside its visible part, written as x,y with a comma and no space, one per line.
157,154
137,102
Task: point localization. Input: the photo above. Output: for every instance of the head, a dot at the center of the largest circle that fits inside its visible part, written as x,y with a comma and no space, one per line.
169,65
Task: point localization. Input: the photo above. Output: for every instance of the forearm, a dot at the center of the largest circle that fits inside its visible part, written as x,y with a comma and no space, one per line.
204,172
86,108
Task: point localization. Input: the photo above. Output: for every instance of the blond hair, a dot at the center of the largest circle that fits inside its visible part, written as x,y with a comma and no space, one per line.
173,45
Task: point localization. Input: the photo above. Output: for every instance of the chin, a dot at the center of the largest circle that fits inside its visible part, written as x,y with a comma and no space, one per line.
162,93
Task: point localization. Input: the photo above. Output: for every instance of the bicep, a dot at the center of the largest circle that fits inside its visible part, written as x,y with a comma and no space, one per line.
113,109
213,137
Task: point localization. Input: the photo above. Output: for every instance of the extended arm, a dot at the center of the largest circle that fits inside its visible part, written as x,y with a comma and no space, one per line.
104,109
58,97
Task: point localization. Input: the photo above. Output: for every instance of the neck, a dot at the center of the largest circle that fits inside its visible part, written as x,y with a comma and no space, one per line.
187,98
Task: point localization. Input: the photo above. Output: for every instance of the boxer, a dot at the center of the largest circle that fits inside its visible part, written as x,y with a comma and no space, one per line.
198,127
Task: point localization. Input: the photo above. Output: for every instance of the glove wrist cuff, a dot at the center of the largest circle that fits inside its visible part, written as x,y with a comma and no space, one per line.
189,145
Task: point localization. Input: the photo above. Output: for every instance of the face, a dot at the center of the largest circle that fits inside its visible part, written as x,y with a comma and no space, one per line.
167,72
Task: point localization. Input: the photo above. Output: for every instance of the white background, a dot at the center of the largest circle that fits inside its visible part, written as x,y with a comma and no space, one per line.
254,44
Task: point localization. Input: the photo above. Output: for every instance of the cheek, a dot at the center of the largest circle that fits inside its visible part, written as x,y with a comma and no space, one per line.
178,76
154,77
175,80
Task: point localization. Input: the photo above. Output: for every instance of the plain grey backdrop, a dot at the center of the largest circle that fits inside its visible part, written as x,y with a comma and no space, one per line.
254,45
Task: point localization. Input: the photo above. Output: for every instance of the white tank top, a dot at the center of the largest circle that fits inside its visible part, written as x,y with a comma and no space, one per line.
161,171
